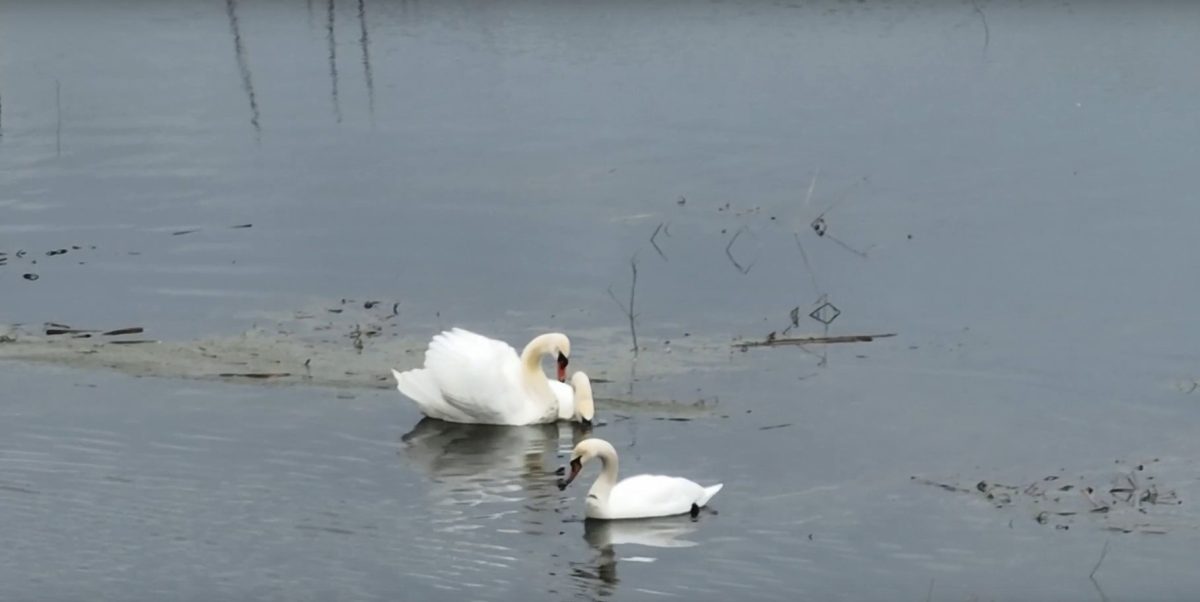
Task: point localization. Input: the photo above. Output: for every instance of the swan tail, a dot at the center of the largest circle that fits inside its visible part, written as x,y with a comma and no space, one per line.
709,492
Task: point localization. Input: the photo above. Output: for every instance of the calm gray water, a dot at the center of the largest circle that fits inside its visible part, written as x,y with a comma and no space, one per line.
1009,187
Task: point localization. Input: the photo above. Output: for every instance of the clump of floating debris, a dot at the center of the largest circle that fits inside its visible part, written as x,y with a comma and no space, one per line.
1129,500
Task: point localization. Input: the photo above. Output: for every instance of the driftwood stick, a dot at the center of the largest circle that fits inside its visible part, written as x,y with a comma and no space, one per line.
846,338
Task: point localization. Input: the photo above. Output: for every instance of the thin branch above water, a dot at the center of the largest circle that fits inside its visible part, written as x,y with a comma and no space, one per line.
628,309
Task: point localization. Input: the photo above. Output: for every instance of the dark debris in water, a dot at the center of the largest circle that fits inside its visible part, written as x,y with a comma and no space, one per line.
55,329
121,331
1128,492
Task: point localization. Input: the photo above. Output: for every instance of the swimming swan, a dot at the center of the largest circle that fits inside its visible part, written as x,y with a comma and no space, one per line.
469,378
641,496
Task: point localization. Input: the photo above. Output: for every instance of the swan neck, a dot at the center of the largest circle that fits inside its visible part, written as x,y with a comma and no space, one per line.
536,382
531,356
608,476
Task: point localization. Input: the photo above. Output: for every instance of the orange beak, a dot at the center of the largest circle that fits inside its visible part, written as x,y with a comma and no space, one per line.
576,466
562,368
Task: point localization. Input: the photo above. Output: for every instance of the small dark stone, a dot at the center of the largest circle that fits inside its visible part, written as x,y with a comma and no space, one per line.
30,276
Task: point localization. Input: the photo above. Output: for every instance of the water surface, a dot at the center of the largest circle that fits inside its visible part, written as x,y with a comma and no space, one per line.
1008,187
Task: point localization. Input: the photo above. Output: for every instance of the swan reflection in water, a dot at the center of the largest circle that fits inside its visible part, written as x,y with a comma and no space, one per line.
473,464
599,576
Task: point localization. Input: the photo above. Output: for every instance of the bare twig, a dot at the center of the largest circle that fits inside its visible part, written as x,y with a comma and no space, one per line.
987,33
365,42
333,75
1103,553
862,254
807,266
729,253
811,186
628,309
1092,575
239,51
58,119
655,244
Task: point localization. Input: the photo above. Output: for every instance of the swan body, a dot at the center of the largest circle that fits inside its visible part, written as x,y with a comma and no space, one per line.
641,496
469,378
575,402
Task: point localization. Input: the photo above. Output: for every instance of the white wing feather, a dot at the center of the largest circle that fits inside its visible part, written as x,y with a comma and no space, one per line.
470,378
647,496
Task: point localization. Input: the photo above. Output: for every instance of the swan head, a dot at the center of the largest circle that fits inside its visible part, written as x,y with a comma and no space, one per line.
585,451
562,366
585,406
554,344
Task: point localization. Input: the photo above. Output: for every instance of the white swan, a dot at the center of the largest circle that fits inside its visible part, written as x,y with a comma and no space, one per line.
472,379
575,402
641,496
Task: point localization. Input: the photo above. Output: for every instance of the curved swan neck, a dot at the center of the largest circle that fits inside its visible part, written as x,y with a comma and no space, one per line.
608,474
546,344
536,382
